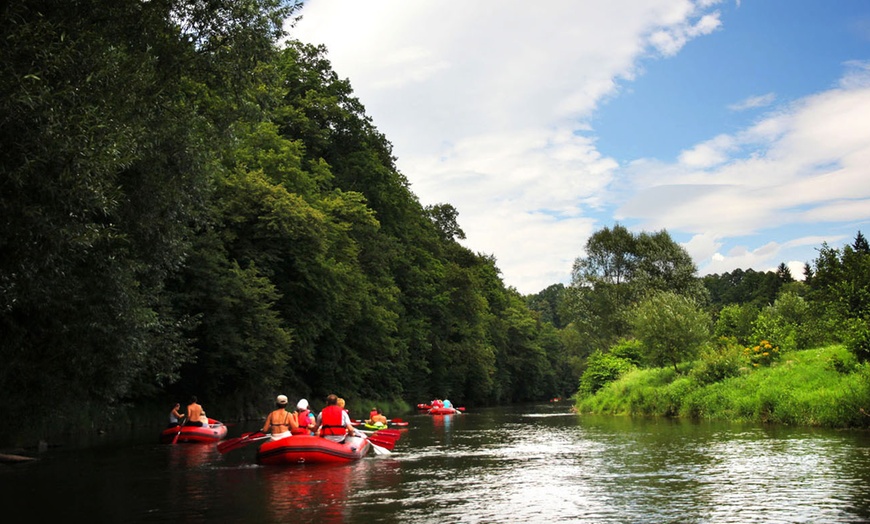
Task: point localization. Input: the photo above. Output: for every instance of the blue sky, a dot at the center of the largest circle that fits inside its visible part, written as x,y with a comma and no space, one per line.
742,128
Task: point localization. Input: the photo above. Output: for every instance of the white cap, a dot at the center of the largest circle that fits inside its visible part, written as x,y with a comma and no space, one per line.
303,404
281,399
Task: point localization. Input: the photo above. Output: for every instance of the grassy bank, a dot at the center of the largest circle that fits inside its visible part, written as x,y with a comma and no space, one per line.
817,387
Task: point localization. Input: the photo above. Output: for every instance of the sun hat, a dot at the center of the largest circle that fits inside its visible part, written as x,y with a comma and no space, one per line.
281,399
303,404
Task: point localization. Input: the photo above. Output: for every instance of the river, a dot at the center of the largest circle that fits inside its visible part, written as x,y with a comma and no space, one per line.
532,463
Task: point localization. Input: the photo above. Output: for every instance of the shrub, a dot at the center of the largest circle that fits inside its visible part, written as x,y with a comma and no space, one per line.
671,327
762,354
719,362
785,324
858,340
628,349
602,368
843,364
735,321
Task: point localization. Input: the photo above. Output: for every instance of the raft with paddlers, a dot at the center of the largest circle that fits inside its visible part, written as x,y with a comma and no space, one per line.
308,449
443,411
312,450
374,426
215,431
439,407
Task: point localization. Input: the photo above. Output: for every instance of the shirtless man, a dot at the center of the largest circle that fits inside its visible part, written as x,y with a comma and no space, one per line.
194,413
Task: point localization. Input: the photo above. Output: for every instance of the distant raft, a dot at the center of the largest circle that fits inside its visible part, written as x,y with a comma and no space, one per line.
214,432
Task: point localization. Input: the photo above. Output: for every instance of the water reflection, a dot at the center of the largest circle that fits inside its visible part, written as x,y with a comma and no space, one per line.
517,464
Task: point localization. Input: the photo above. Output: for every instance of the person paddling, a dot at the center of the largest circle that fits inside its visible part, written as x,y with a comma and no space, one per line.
333,422
195,413
280,422
175,416
305,417
377,418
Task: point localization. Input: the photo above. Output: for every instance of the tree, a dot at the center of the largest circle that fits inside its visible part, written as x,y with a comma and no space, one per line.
549,304
785,323
736,320
112,114
783,273
671,327
620,267
860,245
444,217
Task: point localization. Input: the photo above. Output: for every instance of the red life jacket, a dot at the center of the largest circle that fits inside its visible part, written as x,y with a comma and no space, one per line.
372,414
330,421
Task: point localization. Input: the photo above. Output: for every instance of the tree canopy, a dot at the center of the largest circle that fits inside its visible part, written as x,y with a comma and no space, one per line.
190,205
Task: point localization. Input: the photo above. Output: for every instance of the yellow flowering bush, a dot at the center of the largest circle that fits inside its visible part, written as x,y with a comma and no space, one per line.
762,354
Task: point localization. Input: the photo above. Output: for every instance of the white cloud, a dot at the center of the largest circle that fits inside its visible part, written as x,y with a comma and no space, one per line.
753,102
488,105
803,165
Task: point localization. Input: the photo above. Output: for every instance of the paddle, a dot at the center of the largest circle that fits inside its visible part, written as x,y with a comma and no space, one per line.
174,440
392,422
384,444
239,442
376,444
393,434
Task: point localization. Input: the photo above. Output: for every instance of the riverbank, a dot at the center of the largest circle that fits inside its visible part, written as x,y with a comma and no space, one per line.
822,387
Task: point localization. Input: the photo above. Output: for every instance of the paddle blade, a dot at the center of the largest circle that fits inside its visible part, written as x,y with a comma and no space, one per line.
240,442
382,443
379,450
393,434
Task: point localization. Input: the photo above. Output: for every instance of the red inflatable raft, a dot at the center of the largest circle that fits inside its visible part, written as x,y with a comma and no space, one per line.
214,432
306,449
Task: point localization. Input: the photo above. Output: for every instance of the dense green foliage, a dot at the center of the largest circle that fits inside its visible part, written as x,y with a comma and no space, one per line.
818,387
670,327
635,309
757,346
190,207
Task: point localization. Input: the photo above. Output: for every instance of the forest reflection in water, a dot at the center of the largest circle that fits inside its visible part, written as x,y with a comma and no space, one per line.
509,464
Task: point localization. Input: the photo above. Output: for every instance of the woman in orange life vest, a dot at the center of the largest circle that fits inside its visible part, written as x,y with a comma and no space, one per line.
333,422
280,422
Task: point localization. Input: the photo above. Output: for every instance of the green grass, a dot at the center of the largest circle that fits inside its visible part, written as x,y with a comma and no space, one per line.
817,387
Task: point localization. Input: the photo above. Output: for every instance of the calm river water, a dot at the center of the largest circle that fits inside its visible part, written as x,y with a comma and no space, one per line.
518,464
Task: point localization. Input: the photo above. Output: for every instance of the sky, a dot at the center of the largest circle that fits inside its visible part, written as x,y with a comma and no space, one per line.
741,127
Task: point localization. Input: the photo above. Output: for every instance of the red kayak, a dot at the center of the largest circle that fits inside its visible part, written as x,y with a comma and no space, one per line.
424,407
305,449
214,432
